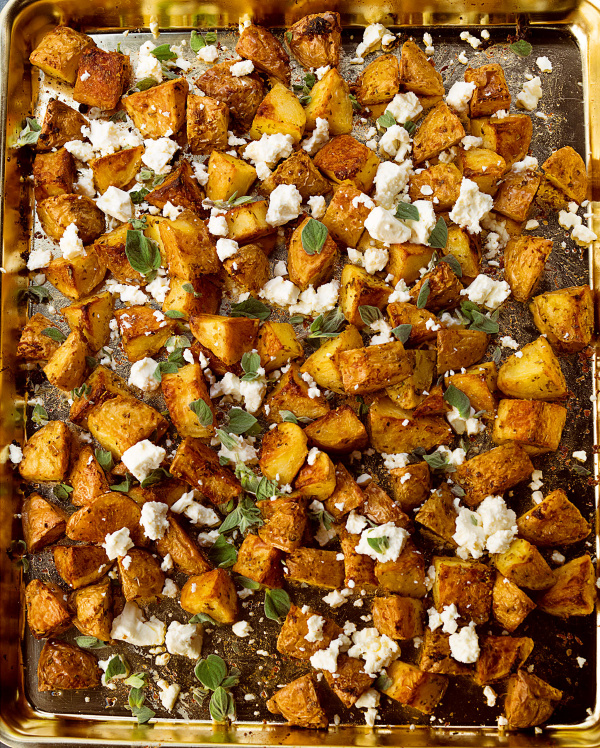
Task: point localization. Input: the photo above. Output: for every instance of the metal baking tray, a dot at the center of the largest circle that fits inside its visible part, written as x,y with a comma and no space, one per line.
570,35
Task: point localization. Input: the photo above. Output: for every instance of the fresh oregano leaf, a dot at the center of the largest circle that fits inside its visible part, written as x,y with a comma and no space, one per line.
156,476
29,134
240,421
423,294
163,53
369,314
296,319
54,334
402,332
521,48
136,680
287,416
457,399
202,618
314,236
188,288
483,323
251,308
143,714
277,604
407,212
221,705
37,294
39,415
409,126
439,236
246,583
379,545
138,196
354,101
89,642
383,682
115,668
142,253
454,265
211,671
105,459
386,120
222,553
202,412
62,491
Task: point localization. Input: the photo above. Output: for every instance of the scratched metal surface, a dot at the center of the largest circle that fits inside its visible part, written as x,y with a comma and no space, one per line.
557,643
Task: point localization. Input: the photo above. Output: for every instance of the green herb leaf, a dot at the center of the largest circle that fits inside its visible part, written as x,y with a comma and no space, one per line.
439,236
196,41
423,294
266,489
210,37
454,265
296,319
82,391
327,325
211,672
91,362
37,294
386,120
246,583
521,48
580,470
136,697
363,408
379,545
473,519
287,416
125,486
245,516
143,713
369,314
409,126
221,705
402,332
407,212
250,364
142,253
483,323
62,491
288,36
438,461
163,53
457,399
89,642
251,308
322,517
354,101
277,604
136,680
138,196
104,458
39,415
165,367
29,134
115,668
202,412
314,235
174,314
383,682
54,334
240,421
457,491
203,618
120,116
145,84
156,476
222,553
188,288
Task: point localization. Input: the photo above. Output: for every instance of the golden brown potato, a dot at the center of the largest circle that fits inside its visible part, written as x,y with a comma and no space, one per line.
47,609
207,124
330,100
316,39
458,349
316,480
80,565
346,214
109,513
529,700
227,337
33,345
101,78
417,74
510,605
409,492
93,610
300,171
346,496
103,384
515,195
198,465
359,570
500,656
67,367
109,251
46,454
259,561
228,176
316,568
337,432
144,331
405,575
265,51
277,345
361,289
343,158
117,169
379,82
535,426
441,129
292,641
574,590
158,109
536,374
509,136
492,473
322,364
373,367
565,169
141,575
212,593
436,656
554,521
43,523
482,166
188,247
293,393
184,553
389,432
565,317
404,313
279,112
59,53
242,94
438,515
299,703
64,667
476,388
305,269
203,297
53,174
406,260
467,584
350,680
180,188
524,565
61,123
247,223
398,617
380,508
444,288
414,688
444,180
56,213
181,389
283,452
92,316
285,528
491,93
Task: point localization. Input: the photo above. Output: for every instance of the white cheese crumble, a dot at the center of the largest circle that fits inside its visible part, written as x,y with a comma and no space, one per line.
384,227
447,619
318,137
142,375
284,205
396,538
241,68
580,455
404,107
355,523
492,527
269,149
70,244
507,342
131,627
326,659
470,39
487,292
464,646
226,248
470,206
143,458
127,293
528,98
398,460
377,650
558,557
170,589
158,153
251,392
168,693
317,206
544,64
242,629
471,426
459,96
390,181
154,519
197,513
117,543
15,453
336,598
372,37
208,53
315,628
490,696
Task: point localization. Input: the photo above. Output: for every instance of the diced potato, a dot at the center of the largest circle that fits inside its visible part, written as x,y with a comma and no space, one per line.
359,569
417,74
379,82
247,223
535,426
259,561
350,682
441,129
492,473
424,326
305,269
122,421
316,480
109,513
398,617
242,94
315,40
117,169
184,553
198,465
63,667
444,288
482,166
476,388
285,528
103,384
315,567
510,605
143,331
292,641
33,345
373,367
101,77
67,367
346,214
438,515
292,392
388,433
550,198
405,575
228,176
380,508
574,590
207,124
179,390
279,112
180,188
159,108
300,171
346,496
500,656
529,700
266,52
444,180
524,565
142,577
61,123
299,703
565,317
93,610
87,478
47,609
330,100
565,169
458,349
58,212
322,364
59,53
515,195
167,491
536,374
344,158
491,93
361,289
406,260
467,584
338,432
410,492
488,370
212,593
412,687
283,452
77,277
53,174
80,565
43,523
277,345
189,249
204,298
436,656
91,316
227,337
509,136
554,521
46,454
110,248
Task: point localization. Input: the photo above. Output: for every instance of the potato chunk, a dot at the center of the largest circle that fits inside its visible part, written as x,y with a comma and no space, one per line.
467,584
565,317
64,667
227,337
529,700
33,344
228,176
283,452
247,223
535,426
491,93
536,374
266,52
418,75
47,609
188,247
574,590
292,392
500,656
346,214
104,384
144,331
180,188
279,112
390,433
316,480
59,53
43,523
565,169
316,568
414,688
379,82
344,158
322,364
359,570
61,123
180,390
444,288
285,527
56,213
441,129
198,465
117,169
330,100
277,345
554,521
346,496
457,349
373,367
299,703
338,432
361,289
242,94
444,180
109,513
46,454
306,269
109,252
398,617
515,195
350,680
87,478
122,421
492,473
509,136
482,166
524,565
212,593
80,565
292,641
101,78
93,610
405,575
67,367
205,296
184,553
510,605
92,316
409,492
207,124
53,174
438,515
259,561
299,170
142,577
158,109
316,40
436,656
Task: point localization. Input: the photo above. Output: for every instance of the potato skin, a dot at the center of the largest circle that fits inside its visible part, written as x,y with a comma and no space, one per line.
107,514
351,681
212,593
67,367
53,174
242,94
93,610
574,590
338,432
459,349
316,40
47,610
529,700
266,52
344,158
305,269
299,170
315,567
299,703
198,465
565,169
491,93
33,346
159,108
60,51
185,554
510,605
80,565
440,129
555,521
143,578
259,561
108,73
46,455
56,213
566,317
291,641
43,523
493,472
411,686
63,667
61,123
179,188
468,584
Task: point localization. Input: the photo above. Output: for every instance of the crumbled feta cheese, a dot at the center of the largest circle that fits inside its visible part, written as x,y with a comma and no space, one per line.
464,646
143,458
391,461
158,153
385,332
131,627
581,661
335,598
194,511
168,693
421,228
269,149
217,226
280,292
400,293
251,392
428,42
154,519
355,523
170,589
558,557
490,695
241,68
142,375
326,659
226,248
384,227
284,205
531,224
171,211
459,96
80,150
318,138
396,538
208,53
404,107
471,206
470,141
529,163
313,302
127,294
200,171
372,37
463,59
528,98
70,244
242,629
580,455
487,292
396,143
390,180
471,426
544,64
470,39
377,650
447,619
159,288
117,543
492,527
507,342
15,454
317,206
315,628
375,259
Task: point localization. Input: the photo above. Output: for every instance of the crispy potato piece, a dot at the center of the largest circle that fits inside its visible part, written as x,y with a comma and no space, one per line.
574,590
316,40
398,617
467,584
565,169
346,496
299,703
67,367
424,326
285,528
330,100
524,565
47,609
59,53
228,176
46,454
206,296
338,432
536,374
373,367
441,129
350,682
565,317
180,188
436,656
93,609
515,195
198,465
80,565
405,575
101,77
316,568
87,478
61,123
64,667
43,523
529,700
110,249
292,641
277,345
509,136
259,561
266,52
322,364
346,214
117,169
166,491
406,260
212,593
492,473
242,94
316,480
380,508
411,491
122,421
510,605
385,424
491,93
109,513
33,345
536,426
444,180
438,515
207,124
414,688
554,521
56,213
184,553
279,112
53,174
343,158
227,337
141,576
417,74
300,171
361,289
283,452
104,384
247,223
92,317
500,656
482,166
444,288
144,331
379,82
179,390
549,197
458,349
158,109
305,269
476,388
359,570
293,393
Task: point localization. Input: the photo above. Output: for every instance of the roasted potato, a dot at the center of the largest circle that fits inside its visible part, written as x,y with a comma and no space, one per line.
346,214
510,605
350,680
228,176
535,374
212,593
389,432
92,317
227,337
259,561
418,75
141,575
93,610
265,51
509,136
359,570
314,567
277,345
306,269
109,253
405,575
47,609
346,496
361,289
207,124
80,565
554,521
322,364
43,523
64,667
338,432
535,426
315,40
492,473
415,688
47,453
117,169
500,656
398,617
198,465
242,94
573,592
436,655
61,123
379,82
438,515
515,195
410,486
292,641
204,296
33,344
299,703
109,513
68,367
444,180
529,700
294,393
330,100
283,452
184,553
59,53
491,93
158,109
565,317
373,367
524,565
101,77
144,331
467,584
444,288
458,349
441,129
103,384
316,479
565,169
53,174
181,389
299,170
58,212
285,528
279,112
344,158
247,223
